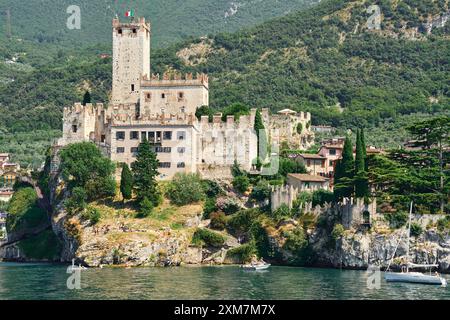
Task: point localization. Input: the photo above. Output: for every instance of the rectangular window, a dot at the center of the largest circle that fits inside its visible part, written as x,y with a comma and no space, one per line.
134,135
330,163
323,164
167,135
164,165
132,87
181,135
120,135
74,128
181,165
151,137
180,95
308,163
158,136
143,135
120,150
163,149
163,95
332,152
134,150
148,97
181,149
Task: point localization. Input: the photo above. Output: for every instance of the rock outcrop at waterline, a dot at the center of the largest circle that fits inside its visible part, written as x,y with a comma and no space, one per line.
359,249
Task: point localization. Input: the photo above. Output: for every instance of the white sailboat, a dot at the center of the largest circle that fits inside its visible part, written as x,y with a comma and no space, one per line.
413,277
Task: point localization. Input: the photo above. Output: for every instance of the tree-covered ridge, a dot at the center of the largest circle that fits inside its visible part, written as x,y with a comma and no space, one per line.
323,60
172,20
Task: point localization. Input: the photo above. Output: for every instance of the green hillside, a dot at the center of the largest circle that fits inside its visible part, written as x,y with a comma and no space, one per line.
323,60
44,21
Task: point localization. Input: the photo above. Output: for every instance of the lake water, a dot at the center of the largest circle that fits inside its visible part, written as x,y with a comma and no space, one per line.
43,281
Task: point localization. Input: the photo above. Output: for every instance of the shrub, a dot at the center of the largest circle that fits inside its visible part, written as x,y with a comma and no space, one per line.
227,205
185,188
261,191
207,237
320,197
146,207
242,221
416,229
282,212
92,214
211,188
338,231
243,253
241,183
295,240
218,220
443,223
210,206
396,219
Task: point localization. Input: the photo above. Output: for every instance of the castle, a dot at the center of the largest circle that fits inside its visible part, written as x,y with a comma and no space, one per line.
162,110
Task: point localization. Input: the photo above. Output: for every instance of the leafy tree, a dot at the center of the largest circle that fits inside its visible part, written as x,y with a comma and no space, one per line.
290,166
86,98
145,170
77,201
83,165
236,110
434,134
241,183
126,182
185,188
204,111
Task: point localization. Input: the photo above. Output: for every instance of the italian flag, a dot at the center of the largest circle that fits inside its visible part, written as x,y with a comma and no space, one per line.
129,13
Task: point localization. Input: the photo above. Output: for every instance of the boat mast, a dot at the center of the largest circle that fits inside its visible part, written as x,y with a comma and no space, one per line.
409,235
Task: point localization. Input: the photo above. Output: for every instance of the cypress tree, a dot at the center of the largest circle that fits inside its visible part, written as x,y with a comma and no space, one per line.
345,185
359,159
361,186
86,98
126,182
145,170
363,143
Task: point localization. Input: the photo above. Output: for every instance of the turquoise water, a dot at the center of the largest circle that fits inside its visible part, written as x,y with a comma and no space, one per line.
41,281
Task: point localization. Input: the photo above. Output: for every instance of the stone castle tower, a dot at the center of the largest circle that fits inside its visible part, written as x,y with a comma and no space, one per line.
131,59
161,110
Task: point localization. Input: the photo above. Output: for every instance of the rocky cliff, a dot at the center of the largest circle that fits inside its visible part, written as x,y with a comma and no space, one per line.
358,249
119,238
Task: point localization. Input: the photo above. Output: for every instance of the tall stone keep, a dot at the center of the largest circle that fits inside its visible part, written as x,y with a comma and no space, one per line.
131,59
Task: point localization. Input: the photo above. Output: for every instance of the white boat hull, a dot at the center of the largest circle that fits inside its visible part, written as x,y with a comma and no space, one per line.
256,267
414,277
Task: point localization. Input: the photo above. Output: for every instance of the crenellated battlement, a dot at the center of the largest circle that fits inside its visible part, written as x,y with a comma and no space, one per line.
136,23
78,109
244,122
175,79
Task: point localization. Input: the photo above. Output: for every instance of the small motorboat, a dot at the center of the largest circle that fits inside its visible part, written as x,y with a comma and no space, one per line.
256,266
